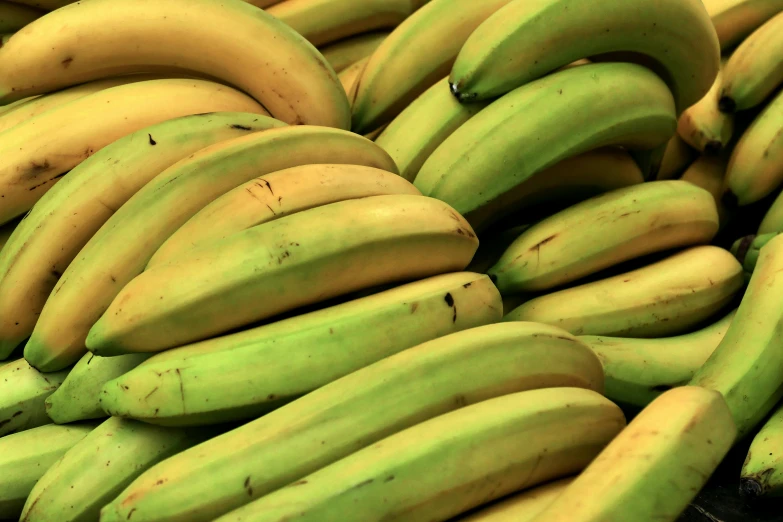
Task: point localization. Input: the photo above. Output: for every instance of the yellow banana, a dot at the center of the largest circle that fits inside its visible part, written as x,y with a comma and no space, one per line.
708,172
350,75
345,52
277,195
122,247
229,40
521,507
14,16
676,158
703,126
663,298
23,390
735,19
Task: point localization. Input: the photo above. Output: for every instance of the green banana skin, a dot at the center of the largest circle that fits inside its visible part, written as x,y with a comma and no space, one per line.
762,472
246,374
773,219
639,370
95,470
23,390
25,457
353,412
523,132
78,398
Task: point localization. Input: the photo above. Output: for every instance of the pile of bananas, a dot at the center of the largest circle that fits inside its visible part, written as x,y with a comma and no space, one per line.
411,260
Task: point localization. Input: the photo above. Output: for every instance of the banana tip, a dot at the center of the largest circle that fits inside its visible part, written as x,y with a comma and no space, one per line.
713,148
727,105
750,488
461,96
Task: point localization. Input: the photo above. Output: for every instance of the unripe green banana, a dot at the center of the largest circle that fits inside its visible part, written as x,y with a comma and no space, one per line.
23,390
762,472
604,231
521,507
703,126
736,19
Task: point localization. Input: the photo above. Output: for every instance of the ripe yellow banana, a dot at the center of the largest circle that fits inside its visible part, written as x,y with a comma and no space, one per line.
399,70
122,247
773,219
229,40
703,126
708,173
25,457
422,126
604,231
762,472
756,166
654,467
374,402
747,366
663,298
527,39
350,50
68,215
277,195
524,132
350,75
521,507
14,16
639,370
676,158
23,390
735,19
755,69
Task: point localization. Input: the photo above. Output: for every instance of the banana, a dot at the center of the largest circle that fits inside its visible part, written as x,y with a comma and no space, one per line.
521,507
762,472
25,457
755,69
350,75
538,124
277,195
756,166
23,390
100,466
374,327
735,19
122,247
229,40
703,126
662,298
14,16
422,126
654,467
400,70
639,370
78,397
381,399
747,366
527,39
345,52
773,219
68,215
604,231
708,173
676,158
276,267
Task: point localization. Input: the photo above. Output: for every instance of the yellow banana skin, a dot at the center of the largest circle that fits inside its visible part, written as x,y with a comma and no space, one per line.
68,215
277,195
25,456
37,153
639,370
398,71
663,298
756,166
522,133
604,231
527,39
747,366
656,466
99,466
703,126
735,19
521,507
14,16
23,390
754,70
422,126
393,394
276,267
230,40
350,50
762,472
676,158
122,247
350,75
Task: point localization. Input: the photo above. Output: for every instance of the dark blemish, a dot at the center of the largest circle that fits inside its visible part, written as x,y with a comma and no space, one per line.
626,280
564,338
466,285
124,387
152,141
389,478
18,413
331,331
56,273
181,388
113,279
270,210
150,393
414,307
67,62
269,186
362,484
271,397
240,127
248,487
629,213
449,299
543,242
300,483
159,482
47,181
130,513
90,359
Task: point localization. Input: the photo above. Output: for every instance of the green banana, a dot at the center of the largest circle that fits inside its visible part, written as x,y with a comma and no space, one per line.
703,126
23,390
524,132
78,397
663,298
520,507
604,231
25,457
735,19
350,50
639,370
654,467
762,472
527,39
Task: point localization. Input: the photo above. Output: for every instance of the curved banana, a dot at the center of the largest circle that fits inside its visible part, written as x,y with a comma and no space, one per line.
67,216
747,366
350,75
639,370
422,126
277,195
708,173
756,166
25,457
703,126
350,50
662,298
122,247
14,16
229,40
521,507
735,19
677,156
604,231
754,70
400,69
762,472
527,39
655,466
525,131
23,390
